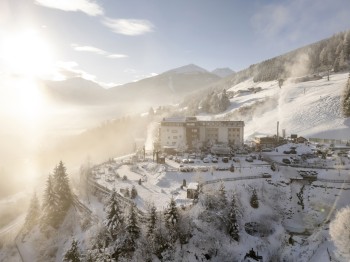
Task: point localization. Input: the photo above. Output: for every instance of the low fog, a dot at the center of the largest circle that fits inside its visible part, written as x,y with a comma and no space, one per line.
38,131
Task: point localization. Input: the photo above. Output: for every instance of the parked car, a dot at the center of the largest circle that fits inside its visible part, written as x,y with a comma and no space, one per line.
253,156
192,156
225,159
190,160
249,159
185,160
206,160
286,161
214,160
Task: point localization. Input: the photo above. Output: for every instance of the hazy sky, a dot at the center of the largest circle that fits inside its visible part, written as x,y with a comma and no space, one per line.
114,42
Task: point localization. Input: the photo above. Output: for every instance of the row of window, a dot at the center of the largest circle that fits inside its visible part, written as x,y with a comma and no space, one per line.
174,137
230,130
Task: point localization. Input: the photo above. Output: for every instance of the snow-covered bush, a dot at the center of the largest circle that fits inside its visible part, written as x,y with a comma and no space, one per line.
340,232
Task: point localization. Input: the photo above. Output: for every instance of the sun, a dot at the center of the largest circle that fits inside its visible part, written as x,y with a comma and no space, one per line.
25,57
26,53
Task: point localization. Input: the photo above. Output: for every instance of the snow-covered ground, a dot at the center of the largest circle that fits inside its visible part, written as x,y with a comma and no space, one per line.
296,210
309,109
305,221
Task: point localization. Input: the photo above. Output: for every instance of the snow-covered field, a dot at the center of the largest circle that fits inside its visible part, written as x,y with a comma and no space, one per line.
309,109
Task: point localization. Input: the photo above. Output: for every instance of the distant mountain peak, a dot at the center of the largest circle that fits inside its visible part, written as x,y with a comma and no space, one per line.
223,72
187,69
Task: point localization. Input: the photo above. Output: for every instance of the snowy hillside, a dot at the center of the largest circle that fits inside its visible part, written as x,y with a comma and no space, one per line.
310,109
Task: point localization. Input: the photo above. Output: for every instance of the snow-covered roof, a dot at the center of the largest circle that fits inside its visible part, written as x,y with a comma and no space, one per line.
192,185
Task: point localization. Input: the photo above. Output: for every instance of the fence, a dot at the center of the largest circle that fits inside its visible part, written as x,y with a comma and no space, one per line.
330,141
104,190
234,179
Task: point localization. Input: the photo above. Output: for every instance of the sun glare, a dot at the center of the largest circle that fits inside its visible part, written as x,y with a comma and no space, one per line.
26,53
25,56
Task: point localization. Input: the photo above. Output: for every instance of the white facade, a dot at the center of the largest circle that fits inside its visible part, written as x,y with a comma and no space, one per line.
183,133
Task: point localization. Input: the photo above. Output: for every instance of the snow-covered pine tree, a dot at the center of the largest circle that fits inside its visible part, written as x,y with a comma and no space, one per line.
50,205
114,217
62,189
161,240
224,101
205,104
214,103
151,220
132,227
171,215
339,230
33,213
222,196
72,254
133,193
346,99
233,228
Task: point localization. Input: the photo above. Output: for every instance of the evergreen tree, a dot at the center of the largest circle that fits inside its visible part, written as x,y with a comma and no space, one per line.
114,218
133,192
254,202
222,196
33,213
233,228
61,188
346,99
132,227
224,101
161,240
151,220
214,104
171,215
205,104
50,205
72,255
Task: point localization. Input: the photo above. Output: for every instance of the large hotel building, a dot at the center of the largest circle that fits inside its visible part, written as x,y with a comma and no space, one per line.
187,131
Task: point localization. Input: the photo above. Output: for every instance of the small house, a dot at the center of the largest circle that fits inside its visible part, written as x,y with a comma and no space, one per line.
192,190
301,140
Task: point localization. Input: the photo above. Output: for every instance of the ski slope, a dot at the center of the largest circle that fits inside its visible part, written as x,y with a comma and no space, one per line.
309,109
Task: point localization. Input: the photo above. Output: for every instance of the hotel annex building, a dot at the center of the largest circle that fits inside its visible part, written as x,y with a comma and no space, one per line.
189,131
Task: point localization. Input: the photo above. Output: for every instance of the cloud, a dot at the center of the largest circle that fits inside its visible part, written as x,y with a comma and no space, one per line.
129,27
89,7
292,21
117,56
97,51
271,20
68,69
89,49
